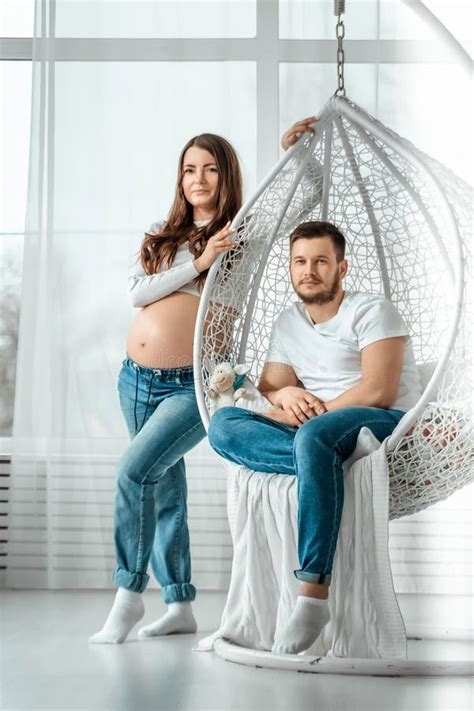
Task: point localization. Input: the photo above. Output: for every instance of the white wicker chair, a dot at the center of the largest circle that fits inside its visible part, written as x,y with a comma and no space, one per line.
407,220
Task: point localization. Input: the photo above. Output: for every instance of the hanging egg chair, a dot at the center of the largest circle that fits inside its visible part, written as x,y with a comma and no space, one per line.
407,221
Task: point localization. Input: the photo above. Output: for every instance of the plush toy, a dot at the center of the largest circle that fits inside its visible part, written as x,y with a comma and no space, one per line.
225,385
225,389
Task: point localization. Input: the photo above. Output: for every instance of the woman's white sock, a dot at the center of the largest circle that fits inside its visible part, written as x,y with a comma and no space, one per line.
306,622
179,619
126,611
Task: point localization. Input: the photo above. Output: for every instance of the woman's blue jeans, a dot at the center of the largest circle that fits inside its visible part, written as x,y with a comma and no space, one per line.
314,452
162,416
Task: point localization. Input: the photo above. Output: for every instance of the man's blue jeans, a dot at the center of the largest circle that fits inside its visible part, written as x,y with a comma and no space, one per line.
163,420
314,452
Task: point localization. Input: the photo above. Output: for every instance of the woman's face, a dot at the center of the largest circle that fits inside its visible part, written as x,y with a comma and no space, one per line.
200,181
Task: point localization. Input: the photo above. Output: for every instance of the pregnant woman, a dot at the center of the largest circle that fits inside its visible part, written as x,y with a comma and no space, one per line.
156,387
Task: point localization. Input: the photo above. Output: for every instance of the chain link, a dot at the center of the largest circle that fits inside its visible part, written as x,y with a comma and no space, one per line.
340,34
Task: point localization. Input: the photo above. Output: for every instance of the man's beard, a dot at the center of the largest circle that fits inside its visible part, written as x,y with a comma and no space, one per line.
322,297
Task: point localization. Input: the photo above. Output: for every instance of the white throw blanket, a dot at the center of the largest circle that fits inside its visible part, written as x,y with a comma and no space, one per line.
365,618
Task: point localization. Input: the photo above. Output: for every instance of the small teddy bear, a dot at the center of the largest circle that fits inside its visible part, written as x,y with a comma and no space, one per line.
225,385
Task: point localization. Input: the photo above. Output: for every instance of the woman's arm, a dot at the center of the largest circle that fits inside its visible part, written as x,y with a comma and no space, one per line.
312,178
145,288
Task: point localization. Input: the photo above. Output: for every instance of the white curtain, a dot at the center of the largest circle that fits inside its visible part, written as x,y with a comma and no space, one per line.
105,138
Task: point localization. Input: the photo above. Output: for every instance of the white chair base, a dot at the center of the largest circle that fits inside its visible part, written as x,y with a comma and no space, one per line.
334,665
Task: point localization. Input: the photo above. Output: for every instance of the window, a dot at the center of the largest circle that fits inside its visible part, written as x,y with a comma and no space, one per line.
15,93
278,59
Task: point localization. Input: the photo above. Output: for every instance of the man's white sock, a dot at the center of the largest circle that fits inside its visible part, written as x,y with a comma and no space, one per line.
126,611
306,622
179,619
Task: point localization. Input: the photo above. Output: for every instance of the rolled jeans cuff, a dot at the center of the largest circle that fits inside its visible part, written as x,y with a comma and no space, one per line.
319,578
178,592
136,582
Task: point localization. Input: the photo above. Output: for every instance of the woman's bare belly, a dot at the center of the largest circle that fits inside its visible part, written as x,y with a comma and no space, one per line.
161,335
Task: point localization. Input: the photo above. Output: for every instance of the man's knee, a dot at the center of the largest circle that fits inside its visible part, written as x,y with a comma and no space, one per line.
223,427
220,427
314,432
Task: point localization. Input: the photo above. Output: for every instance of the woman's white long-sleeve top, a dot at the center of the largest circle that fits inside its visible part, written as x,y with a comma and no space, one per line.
145,288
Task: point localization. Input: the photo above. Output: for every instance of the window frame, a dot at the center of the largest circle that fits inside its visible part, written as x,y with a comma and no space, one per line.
266,49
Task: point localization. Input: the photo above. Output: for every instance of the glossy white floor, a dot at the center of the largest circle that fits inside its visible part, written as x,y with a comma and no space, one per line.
47,663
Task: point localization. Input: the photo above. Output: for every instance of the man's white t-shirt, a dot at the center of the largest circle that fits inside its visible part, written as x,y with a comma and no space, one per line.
326,357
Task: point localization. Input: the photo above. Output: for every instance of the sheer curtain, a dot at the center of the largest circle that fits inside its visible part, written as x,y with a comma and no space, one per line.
105,140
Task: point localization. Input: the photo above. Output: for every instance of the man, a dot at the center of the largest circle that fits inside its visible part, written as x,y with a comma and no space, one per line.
337,361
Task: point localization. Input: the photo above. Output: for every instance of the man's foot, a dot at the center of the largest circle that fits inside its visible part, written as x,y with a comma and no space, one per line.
126,611
306,622
178,620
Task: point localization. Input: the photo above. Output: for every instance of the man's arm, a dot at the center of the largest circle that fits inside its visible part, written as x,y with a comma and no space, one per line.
382,364
294,405
274,377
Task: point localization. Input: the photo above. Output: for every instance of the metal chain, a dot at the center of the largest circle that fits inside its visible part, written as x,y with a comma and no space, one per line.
340,33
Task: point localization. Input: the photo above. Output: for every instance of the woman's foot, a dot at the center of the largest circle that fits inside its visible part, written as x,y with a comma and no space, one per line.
179,619
126,611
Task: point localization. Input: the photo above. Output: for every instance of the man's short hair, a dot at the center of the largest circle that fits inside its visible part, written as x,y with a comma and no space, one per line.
308,230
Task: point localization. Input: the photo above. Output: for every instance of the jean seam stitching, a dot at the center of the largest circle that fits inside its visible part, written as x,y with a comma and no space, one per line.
178,525
142,483
336,501
141,535
142,498
360,426
336,443
333,447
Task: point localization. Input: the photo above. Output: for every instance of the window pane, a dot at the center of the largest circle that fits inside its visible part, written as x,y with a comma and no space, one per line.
156,18
406,98
314,19
16,18
372,19
15,97
397,21
11,251
409,101
305,88
116,157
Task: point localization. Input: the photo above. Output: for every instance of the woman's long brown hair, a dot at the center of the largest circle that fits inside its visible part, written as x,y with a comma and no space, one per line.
179,228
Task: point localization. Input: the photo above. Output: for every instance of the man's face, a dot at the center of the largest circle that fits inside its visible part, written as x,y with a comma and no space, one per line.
316,274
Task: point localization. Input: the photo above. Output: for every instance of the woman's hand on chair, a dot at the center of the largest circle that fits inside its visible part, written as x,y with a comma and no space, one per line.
292,134
216,244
